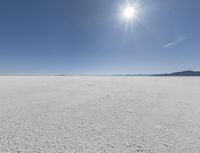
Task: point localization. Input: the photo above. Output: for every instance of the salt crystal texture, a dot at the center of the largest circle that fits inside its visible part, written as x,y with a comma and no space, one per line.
99,114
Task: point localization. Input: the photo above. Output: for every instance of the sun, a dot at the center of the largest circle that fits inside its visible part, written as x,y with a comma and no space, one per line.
129,12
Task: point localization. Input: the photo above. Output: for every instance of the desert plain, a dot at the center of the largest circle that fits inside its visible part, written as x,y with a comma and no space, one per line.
99,114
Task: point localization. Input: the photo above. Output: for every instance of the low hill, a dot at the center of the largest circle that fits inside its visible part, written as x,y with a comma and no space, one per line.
182,73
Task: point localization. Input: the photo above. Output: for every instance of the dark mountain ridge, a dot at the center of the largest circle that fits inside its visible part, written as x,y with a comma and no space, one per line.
182,73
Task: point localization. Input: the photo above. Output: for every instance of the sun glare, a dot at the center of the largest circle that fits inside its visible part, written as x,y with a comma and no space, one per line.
129,12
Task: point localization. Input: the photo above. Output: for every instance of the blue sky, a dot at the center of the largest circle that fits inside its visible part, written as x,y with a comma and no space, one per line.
47,37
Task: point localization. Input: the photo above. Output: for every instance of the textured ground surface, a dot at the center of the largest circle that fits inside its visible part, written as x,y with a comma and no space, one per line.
99,115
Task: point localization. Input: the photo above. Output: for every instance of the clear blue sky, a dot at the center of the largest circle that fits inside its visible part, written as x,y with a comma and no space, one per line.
44,37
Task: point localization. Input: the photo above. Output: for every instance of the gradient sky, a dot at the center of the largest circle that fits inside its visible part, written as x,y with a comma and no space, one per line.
47,37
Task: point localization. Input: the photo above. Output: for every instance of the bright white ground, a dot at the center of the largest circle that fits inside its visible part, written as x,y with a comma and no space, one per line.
99,115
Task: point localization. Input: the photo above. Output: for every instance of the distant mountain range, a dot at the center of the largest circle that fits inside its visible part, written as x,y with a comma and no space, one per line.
183,73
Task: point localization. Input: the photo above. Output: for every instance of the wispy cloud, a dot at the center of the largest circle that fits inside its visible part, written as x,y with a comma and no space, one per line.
178,40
